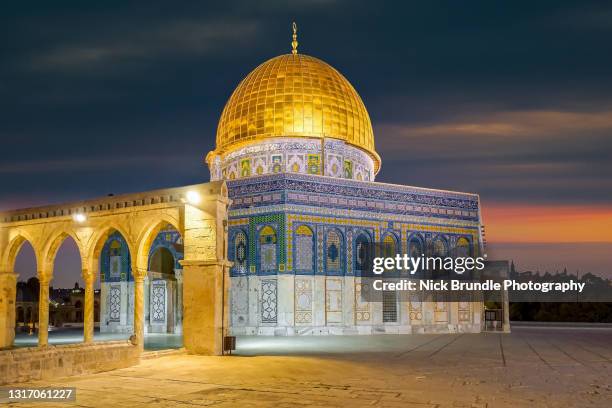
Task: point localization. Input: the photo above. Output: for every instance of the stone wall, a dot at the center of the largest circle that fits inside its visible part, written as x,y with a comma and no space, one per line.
36,363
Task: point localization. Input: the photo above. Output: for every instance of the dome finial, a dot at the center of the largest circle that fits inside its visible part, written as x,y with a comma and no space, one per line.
294,43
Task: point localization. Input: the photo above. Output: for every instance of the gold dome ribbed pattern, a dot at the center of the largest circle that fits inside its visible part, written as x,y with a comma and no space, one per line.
295,95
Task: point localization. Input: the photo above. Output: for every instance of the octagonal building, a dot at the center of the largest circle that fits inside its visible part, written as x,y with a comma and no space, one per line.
296,147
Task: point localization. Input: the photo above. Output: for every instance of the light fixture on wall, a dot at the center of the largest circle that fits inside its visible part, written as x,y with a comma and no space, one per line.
79,217
193,197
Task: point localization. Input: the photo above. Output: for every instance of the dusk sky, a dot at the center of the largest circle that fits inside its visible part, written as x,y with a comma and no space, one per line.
511,100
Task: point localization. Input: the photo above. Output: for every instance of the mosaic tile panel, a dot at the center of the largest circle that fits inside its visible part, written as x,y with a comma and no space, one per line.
333,300
415,308
333,251
114,303
158,301
362,309
303,301
240,300
304,245
268,301
465,312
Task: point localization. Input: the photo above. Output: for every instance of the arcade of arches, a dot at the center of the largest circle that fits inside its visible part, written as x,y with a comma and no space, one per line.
152,252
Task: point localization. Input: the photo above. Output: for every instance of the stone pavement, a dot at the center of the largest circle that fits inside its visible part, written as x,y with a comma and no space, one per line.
531,367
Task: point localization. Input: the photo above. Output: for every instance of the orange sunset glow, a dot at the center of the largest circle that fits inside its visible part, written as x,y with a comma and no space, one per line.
543,223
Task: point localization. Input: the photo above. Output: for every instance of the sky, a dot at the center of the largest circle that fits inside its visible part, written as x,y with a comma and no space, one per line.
510,100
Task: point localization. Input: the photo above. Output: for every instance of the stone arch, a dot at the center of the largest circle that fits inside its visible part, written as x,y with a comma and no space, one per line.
304,248
463,247
239,250
146,238
439,246
360,237
51,248
390,243
267,254
13,248
334,241
162,247
97,243
415,245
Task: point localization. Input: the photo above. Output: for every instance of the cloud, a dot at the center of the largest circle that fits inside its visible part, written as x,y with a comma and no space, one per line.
87,164
545,156
184,37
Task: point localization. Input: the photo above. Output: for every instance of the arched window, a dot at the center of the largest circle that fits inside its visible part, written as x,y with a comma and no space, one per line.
115,259
462,248
304,249
333,252
439,250
267,246
361,252
415,247
389,246
439,247
240,252
415,250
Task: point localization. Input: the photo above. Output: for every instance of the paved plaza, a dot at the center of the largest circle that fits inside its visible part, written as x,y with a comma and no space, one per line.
536,366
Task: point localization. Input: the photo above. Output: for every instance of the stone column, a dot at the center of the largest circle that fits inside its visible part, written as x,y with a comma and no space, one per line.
88,315
178,273
205,300
139,278
206,272
43,311
506,311
8,288
147,303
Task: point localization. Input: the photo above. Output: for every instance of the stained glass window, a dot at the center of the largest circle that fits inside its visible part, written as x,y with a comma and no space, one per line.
333,250
415,250
267,242
361,244
389,246
240,252
304,243
439,247
462,249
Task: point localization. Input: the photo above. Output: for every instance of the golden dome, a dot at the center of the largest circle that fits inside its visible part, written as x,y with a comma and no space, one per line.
295,95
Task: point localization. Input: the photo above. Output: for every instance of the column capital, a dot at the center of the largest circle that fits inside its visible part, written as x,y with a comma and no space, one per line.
139,274
88,276
139,277
43,280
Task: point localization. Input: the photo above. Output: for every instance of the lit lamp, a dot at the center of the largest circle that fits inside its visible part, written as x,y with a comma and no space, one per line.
193,197
79,217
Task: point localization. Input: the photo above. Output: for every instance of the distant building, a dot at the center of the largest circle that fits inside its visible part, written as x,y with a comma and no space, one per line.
65,306
26,306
